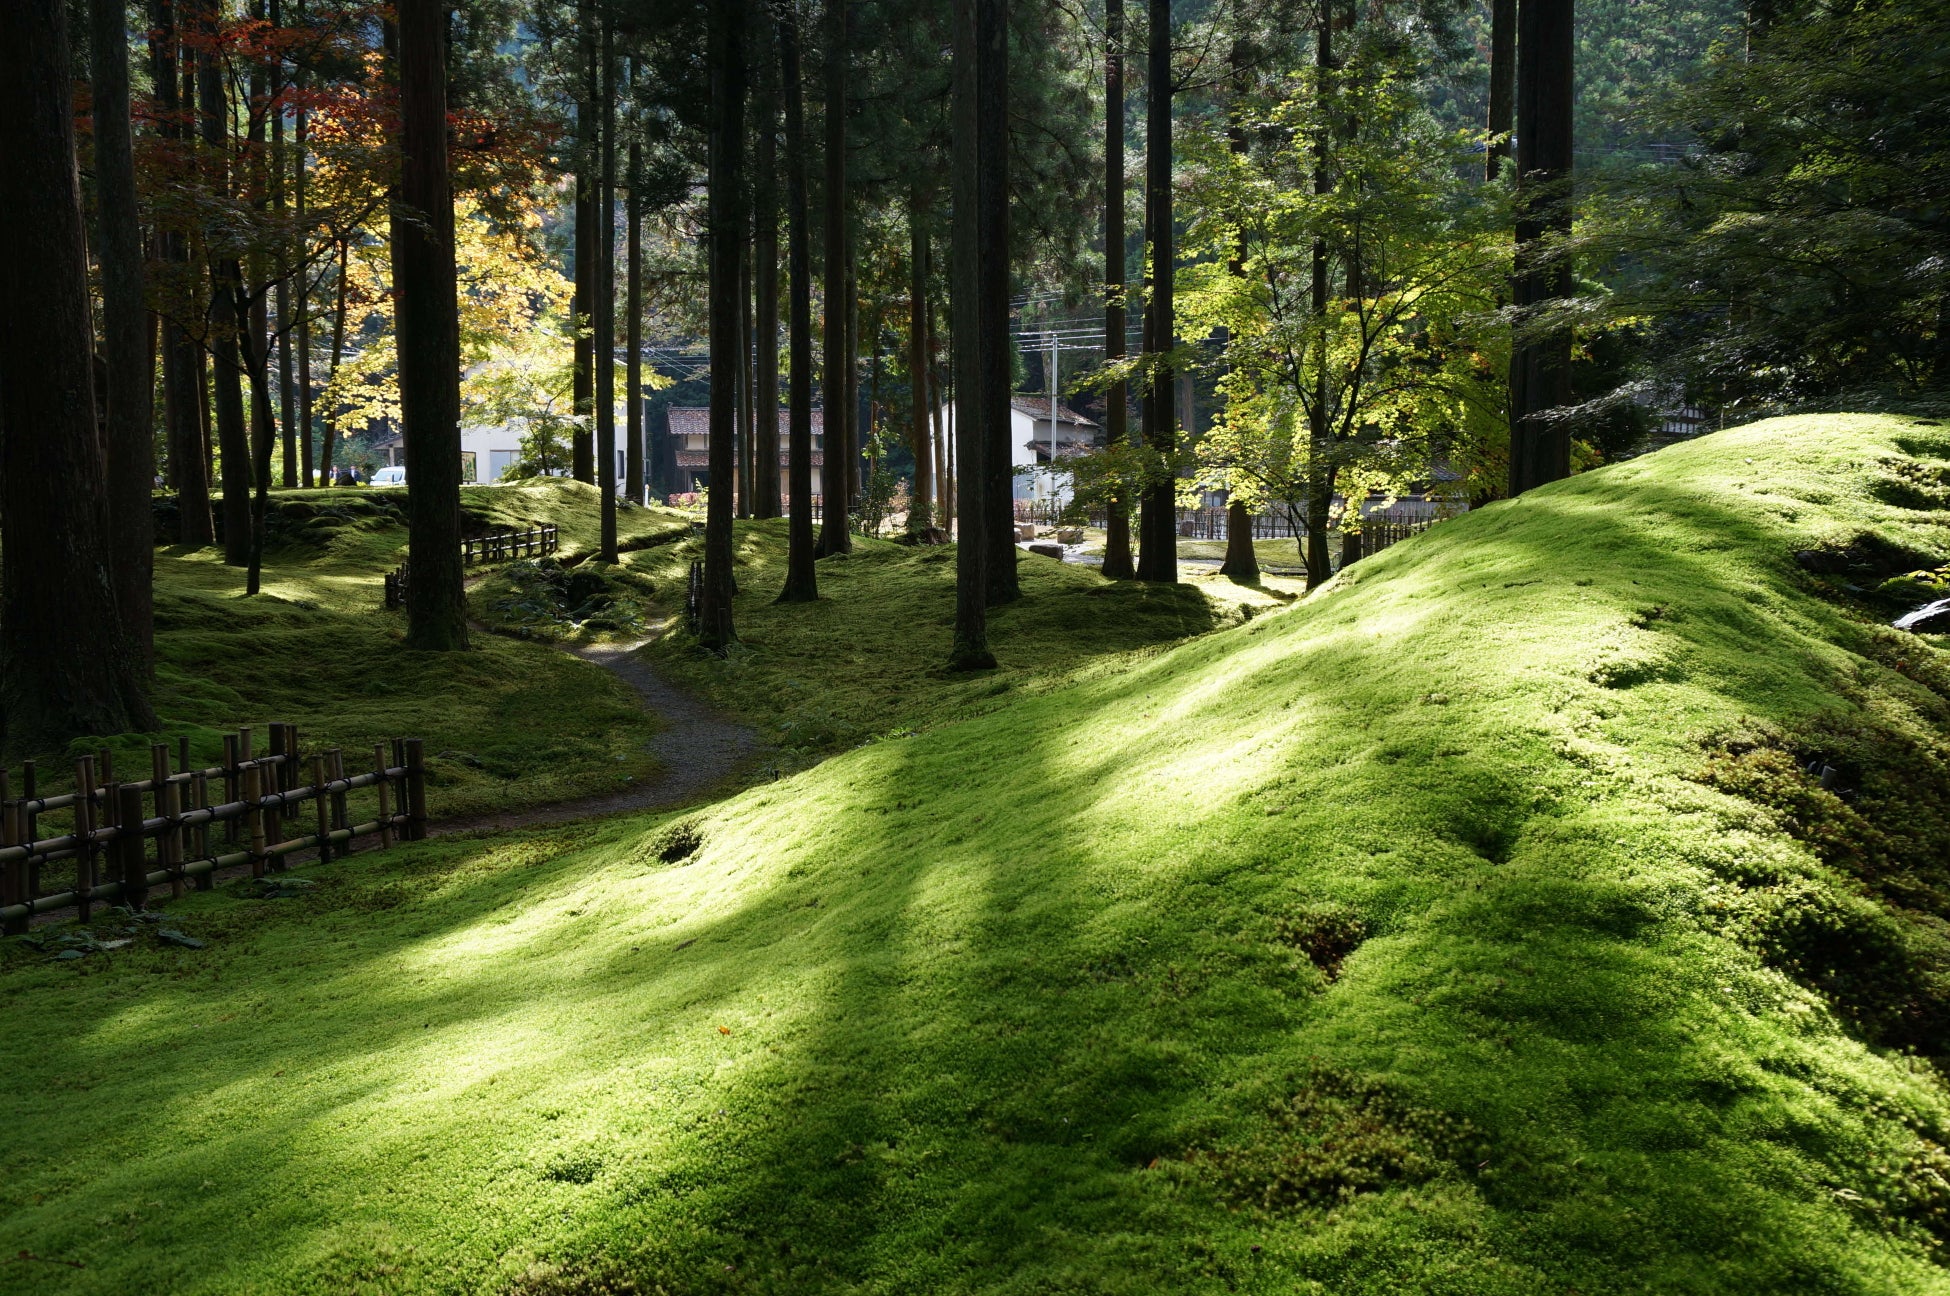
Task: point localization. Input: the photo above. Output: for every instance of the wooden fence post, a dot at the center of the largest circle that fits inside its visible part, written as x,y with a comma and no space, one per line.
335,770
84,829
324,815
128,837
385,796
169,842
30,823
254,818
416,790
233,789
13,877
199,800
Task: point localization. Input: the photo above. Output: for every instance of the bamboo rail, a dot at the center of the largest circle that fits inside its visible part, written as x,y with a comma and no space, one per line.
263,800
503,546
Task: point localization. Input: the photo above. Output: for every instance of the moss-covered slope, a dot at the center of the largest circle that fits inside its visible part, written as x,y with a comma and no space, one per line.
1451,932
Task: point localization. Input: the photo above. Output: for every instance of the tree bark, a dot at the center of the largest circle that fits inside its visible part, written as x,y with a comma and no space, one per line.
747,415
920,514
582,453
1158,515
1320,472
66,668
765,284
725,232
226,328
980,267
801,577
834,536
1503,83
1540,363
428,329
1241,561
256,354
633,469
605,341
287,396
1117,513
127,364
305,457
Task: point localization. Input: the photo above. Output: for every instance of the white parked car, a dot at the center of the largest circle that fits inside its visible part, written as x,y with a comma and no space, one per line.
395,476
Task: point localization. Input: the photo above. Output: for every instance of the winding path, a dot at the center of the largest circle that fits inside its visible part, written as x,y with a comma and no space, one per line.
699,748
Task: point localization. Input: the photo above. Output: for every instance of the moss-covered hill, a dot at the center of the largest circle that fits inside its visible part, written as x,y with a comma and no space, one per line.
1475,926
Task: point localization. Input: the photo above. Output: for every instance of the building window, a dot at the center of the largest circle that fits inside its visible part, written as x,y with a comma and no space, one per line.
499,461
467,476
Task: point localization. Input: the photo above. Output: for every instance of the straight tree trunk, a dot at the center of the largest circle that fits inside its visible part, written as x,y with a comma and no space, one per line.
920,516
428,329
1503,83
582,453
66,669
1241,562
256,350
801,577
605,341
287,395
127,365
184,411
304,303
1320,468
980,261
725,233
747,427
331,430
633,470
834,536
226,327
1117,514
856,436
1540,363
765,283
1158,518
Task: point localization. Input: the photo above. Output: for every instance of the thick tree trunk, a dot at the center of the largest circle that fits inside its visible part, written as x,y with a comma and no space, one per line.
428,329
226,327
1540,363
747,415
1503,83
801,577
287,395
920,513
765,285
304,305
582,452
1241,561
1320,472
66,668
1117,512
127,364
1158,513
605,342
725,233
980,267
834,536
633,470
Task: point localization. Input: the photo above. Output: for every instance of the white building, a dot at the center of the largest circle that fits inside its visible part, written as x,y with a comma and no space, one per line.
1035,442
489,450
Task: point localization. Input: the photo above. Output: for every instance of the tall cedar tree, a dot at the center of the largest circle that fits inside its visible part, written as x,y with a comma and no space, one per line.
605,340
1320,483
1241,562
1117,512
920,520
725,228
183,412
66,667
765,282
633,469
227,324
1158,518
1503,84
582,455
1540,361
801,577
979,254
126,364
833,534
428,332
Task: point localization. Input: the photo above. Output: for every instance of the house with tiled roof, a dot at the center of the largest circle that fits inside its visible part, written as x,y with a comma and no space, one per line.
1036,442
690,440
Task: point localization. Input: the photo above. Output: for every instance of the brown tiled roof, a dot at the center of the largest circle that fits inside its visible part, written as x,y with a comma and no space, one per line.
701,459
1037,407
695,420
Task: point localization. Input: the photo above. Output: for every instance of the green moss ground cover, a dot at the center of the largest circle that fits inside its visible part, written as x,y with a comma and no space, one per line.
1471,927
867,659
512,725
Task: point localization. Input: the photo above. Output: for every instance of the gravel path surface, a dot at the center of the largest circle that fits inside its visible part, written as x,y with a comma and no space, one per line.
701,749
